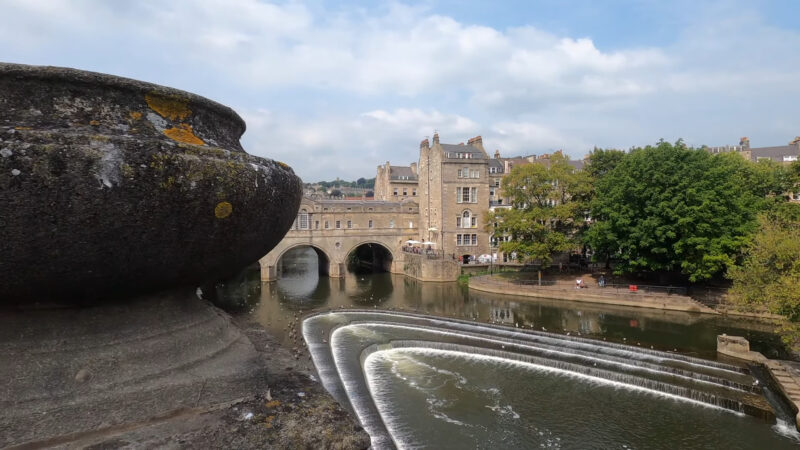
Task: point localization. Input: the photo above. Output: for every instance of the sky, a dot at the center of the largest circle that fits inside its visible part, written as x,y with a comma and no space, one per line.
336,88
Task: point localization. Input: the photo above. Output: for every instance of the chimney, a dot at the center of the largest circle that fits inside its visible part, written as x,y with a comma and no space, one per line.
424,143
413,168
476,142
497,154
744,142
435,138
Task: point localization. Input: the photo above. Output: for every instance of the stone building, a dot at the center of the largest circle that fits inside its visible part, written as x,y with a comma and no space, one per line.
781,153
396,183
455,185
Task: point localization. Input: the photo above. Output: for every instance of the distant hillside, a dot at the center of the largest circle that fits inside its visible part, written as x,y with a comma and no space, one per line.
364,183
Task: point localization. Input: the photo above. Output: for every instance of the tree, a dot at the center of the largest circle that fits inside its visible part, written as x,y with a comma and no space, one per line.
671,208
361,182
549,206
769,277
602,161
336,193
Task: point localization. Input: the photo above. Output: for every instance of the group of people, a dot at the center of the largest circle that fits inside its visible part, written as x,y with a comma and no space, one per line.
579,284
417,250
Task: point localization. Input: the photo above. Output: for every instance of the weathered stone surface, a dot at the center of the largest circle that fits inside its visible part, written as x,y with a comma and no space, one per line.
110,187
167,370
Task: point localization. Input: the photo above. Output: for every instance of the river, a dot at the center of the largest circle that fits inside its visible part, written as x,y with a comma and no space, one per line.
444,398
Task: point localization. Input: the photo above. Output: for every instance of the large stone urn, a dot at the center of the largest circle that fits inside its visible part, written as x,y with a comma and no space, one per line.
111,187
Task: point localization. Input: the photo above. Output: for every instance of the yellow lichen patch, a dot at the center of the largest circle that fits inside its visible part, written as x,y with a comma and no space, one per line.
272,404
223,210
94,122
135,115
283,164
184,133
169,107
22,128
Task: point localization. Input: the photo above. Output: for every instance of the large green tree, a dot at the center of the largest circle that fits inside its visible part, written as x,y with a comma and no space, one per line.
769,277
677,209
550,200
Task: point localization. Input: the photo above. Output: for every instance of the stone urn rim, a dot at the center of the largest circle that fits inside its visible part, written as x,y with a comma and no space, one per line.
90,78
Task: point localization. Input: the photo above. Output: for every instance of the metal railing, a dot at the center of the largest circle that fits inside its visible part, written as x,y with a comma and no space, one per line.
592,286
427,253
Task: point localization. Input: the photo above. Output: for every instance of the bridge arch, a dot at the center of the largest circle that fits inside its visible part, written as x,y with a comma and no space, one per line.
370,255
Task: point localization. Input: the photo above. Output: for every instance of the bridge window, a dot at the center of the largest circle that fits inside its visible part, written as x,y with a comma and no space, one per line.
316,225
391,223
370,223
327,225
349,224
302,220
338,224
414,192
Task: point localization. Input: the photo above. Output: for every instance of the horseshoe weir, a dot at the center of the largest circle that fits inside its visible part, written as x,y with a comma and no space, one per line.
423,381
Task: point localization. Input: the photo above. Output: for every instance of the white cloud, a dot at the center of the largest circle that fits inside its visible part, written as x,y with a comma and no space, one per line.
352,145
338,91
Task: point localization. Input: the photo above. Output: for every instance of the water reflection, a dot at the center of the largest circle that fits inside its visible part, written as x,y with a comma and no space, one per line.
301,290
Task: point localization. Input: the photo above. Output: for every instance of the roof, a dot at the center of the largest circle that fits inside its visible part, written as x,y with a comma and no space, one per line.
451,149
774,153
496,163
401,173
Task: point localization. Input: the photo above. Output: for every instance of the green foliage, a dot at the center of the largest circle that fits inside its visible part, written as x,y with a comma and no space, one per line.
673,208
366,183
550,201
769,277
602,162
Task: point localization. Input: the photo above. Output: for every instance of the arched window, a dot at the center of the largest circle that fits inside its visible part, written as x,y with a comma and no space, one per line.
468,220
302,220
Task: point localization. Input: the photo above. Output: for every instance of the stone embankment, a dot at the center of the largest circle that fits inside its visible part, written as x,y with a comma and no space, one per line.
591,294
785,374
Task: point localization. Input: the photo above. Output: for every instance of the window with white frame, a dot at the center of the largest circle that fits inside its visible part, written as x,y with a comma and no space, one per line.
349,224
466,219
302,220
369,224
327,225
414,191
405,191
467,195
338,224
466,239
395,192
391,223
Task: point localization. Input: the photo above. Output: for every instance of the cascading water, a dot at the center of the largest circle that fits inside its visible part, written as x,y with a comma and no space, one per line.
417,381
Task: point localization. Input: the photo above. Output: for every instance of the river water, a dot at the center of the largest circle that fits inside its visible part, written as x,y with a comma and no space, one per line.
421,387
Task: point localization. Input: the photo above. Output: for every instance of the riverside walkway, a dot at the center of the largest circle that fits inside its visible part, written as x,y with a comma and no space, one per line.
656,297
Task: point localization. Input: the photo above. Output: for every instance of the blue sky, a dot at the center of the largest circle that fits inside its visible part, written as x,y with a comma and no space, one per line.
336,88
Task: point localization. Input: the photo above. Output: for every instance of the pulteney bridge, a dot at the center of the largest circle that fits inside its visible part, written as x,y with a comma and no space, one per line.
343,230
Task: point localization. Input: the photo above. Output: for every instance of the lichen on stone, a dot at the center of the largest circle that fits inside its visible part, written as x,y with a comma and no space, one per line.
183,133
170,107
223,210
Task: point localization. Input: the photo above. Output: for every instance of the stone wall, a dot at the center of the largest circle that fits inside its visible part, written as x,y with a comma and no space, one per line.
422,268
